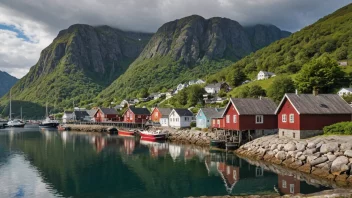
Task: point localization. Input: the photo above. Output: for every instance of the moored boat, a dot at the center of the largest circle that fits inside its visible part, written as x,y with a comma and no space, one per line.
153,135
124,132
63,128
49,122
217,144
15,123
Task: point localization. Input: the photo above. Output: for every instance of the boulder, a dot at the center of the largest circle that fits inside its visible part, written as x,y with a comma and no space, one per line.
280,147
345,146
339,165
341,180
296,164
311,145
322,173
290,147
281,155
309,151
298,154
300,146
348,153
329,147
306,168
310,158
318,160
331,157
302,157
273,147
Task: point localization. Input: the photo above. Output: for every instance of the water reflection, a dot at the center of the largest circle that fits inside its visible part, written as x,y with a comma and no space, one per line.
94,165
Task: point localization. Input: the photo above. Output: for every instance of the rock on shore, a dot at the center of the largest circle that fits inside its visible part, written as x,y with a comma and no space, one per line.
326,157
191,136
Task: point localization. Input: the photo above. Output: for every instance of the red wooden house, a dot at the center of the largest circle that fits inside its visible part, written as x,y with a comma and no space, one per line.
250,114
136,115
305,115
158,113
217,121
289,184
106,115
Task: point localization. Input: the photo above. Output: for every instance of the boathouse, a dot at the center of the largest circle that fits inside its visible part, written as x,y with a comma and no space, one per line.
105,115
67,117
161,115
205,115
305,115
180,118
136,115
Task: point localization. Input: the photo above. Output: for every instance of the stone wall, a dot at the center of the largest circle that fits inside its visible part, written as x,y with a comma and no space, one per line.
326,157
299,134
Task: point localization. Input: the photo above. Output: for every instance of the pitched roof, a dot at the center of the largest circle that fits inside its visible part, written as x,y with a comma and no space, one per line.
214,85
165,112
108,111
253,106
68,112
92,112
319,104
140,111
183,112
79,115
212,112
268,73
348,89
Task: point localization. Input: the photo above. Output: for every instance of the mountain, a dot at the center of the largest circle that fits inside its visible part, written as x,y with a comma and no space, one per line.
6,82
78,64
330,35
189,48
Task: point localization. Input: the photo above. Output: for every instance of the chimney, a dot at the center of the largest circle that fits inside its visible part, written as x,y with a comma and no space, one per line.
315,91
296,92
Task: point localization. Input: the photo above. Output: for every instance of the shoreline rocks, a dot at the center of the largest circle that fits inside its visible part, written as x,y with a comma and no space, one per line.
326,157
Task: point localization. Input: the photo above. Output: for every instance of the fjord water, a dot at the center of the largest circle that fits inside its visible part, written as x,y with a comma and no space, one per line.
42,163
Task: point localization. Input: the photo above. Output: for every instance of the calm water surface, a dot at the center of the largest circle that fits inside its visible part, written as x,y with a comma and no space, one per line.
35,163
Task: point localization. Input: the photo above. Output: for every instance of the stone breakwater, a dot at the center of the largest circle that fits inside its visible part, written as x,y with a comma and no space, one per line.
191,136
89,128
325,157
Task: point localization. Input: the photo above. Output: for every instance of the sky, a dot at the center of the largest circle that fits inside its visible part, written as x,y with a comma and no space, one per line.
28,26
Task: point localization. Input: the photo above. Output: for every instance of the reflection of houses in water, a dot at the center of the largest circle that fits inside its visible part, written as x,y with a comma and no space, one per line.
189,154
175,151
156,149
290,184
129,145
238,175
99,143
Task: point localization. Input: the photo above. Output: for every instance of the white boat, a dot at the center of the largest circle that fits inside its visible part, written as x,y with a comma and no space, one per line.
153,135
14,123
49,122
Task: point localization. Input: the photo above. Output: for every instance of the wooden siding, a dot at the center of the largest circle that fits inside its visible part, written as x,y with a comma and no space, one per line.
247,122
287,109
128,116
318,122
231,111
286,182
156,115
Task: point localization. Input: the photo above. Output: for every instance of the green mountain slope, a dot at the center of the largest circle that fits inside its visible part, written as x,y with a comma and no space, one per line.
6,82
330,35
77,65
186,49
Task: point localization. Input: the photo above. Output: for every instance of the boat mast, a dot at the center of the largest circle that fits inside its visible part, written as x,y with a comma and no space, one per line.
21,112
46,110
10,106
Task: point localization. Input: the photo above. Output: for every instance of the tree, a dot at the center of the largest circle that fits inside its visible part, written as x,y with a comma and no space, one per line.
348,98
254,91
182,97
280,86
236,77
341,53
195,94
143,93
322,72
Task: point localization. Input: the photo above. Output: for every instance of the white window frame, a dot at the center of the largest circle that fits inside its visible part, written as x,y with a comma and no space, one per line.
292,118
234,118
284,184
284,118
292,188
227,118
213,121
218,122
261,121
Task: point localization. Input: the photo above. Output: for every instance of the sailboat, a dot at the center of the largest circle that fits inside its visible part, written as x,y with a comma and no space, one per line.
48,122
15,122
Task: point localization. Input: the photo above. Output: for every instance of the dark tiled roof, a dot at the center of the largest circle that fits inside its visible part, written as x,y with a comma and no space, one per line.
165,112
108,111
92,112
140,111
348,89
80,115
214,85
69,112
254,106
183,112
212,112
319,104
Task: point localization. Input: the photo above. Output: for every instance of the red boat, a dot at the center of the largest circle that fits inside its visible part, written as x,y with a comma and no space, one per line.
124,132
153,135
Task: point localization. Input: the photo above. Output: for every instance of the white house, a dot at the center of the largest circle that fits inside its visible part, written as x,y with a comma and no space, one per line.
343,63
265,75
213,88
192,82
345,91
200,81
180,118
68,116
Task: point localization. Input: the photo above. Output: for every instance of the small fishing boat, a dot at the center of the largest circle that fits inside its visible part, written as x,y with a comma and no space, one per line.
153,135
125,132
217,144
15,123
231,146
49,122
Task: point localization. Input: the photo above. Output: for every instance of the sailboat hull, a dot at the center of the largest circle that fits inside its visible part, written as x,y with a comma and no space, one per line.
49,125
17,125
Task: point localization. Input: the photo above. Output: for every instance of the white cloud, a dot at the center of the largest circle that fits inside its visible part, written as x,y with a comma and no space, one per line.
41,20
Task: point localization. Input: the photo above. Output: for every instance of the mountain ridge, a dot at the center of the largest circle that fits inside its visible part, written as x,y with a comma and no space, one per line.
6,82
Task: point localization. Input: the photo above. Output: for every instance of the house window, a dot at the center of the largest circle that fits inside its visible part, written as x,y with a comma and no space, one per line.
292,118
259,171
283,183
259,119
292,188
284,118
294,135
228,170
157,114
213,121
234,175
218,122
227,118
176,119
234,118
128,114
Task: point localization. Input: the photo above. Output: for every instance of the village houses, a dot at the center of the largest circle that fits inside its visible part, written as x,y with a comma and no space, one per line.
180,118
161,115
344,92
205,116
136,115
264,75
305,115
105,115
214,88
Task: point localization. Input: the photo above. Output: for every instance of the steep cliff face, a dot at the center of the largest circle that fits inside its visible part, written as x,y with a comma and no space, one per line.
189,48
6,82
78,64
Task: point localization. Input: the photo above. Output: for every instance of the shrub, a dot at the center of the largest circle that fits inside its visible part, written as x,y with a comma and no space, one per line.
341,128
193,124
205,130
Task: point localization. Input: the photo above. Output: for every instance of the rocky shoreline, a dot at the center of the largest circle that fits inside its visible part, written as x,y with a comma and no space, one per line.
325,157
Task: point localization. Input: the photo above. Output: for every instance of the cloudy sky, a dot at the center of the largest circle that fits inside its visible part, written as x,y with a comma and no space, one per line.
28,26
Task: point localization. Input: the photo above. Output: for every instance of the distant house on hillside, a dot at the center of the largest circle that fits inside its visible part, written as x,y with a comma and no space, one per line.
305,115
265,75
68,116
200,81
215,88
180,118
344,91
180,87
342,63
